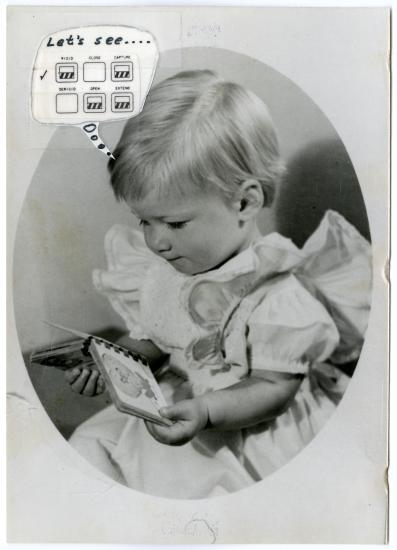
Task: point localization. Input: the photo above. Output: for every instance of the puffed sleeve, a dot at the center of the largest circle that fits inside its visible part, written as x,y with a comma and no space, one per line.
289,329
128,261
338,266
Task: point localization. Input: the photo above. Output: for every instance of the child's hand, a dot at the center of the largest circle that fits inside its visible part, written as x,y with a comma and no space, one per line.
190,416
85,381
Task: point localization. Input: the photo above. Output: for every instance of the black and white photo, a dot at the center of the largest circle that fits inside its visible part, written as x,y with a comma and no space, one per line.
233,237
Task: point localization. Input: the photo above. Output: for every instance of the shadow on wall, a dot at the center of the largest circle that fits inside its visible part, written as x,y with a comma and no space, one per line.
319,178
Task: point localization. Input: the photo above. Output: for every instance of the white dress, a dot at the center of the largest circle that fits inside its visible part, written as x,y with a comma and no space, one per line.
273,307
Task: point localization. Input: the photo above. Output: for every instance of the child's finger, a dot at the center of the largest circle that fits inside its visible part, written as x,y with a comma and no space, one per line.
90,387
175,412
160,434
150,429
72,375
79,384
100,385
169,435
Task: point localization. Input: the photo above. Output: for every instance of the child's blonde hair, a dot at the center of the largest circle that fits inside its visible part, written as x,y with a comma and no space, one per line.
197,133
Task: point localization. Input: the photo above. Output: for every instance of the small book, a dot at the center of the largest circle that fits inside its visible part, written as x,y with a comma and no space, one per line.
131,384
65,356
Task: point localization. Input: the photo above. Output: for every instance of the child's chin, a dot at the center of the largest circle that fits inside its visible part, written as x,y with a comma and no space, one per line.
182,265
185,270
185,267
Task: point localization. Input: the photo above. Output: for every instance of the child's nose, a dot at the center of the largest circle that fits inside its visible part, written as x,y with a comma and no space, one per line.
158,240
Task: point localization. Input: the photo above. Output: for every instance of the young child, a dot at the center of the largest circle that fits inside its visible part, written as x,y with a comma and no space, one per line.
247,328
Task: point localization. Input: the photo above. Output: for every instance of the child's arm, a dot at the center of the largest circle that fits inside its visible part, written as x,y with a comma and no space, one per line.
262,397
90,382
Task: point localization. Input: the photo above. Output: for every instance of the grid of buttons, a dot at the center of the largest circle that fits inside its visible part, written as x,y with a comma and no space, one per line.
94,71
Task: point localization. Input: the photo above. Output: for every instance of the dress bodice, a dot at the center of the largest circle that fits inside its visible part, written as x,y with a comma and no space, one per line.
273,306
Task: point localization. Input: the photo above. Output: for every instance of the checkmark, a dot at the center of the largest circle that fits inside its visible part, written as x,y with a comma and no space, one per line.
42,76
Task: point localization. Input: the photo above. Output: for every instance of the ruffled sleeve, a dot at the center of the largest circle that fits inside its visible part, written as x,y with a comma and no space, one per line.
289,329
128,261
338,269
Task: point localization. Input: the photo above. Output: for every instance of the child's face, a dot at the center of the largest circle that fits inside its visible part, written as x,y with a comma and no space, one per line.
193,234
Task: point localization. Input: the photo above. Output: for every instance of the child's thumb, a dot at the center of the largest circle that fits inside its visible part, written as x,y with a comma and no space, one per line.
172,411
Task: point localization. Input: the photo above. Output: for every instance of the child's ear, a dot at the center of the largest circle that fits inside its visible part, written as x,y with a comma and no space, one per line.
251,199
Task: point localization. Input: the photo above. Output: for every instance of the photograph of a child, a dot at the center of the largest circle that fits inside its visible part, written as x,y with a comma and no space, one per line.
256,338
230,244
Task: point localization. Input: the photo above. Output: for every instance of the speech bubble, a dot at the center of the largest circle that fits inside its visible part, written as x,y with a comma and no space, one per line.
87,75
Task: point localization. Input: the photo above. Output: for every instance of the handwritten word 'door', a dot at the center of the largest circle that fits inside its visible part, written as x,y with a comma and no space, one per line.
92,74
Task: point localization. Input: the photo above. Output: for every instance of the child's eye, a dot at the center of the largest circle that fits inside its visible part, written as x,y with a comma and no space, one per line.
143,222
176,225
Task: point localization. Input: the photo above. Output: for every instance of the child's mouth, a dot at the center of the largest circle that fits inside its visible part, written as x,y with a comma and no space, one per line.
174,259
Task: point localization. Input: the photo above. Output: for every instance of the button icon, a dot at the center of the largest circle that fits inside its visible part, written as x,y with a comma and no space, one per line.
122,102
94,103
66,72
66,103
94,71
122,71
